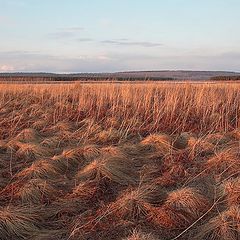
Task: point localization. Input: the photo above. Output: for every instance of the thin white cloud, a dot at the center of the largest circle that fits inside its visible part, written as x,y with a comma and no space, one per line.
71,29
66,32
35,62
61,35
127,42
85,40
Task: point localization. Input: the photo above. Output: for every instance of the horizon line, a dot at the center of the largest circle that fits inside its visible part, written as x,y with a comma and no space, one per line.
122,71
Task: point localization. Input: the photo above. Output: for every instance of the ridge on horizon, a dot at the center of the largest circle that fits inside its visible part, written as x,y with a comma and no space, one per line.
134,75
123,71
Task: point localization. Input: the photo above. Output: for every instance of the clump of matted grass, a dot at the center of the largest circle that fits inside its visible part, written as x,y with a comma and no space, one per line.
74,158
187,200
180,209
88,128
19,222
63,165
8,192
175,168
29,191
133,205
65,209
37,191
108,136
225,163
74,155
199,147
113,122
40,124
91,152
63,126
121,170
93,193
218,139
85,190
166,218
225,226
87,153
28,135
32,151
159,142
172,176
13,146
66,138
42,169
235,134
113,151
231,189
51,142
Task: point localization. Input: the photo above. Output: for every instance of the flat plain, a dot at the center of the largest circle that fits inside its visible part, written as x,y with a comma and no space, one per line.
129,161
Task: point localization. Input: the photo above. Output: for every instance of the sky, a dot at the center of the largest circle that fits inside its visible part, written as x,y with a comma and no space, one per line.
111,35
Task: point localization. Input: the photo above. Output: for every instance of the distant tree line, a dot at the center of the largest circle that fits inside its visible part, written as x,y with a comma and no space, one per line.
226,78
72,78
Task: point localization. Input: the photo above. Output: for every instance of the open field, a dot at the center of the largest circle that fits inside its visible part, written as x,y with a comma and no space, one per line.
99,161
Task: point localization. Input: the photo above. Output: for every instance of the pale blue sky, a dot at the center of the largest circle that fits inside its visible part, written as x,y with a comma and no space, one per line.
112,35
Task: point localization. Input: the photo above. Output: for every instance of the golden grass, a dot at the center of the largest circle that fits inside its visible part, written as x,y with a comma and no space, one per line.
28,135
232,191
18,222
200,147
132,205
139,235
135,204
113,151
39,124
3,146
188,201
37,191
180,209
117,169
224,226
157,106
160,142
31,151
166,218
225,163
106,136
63,126
51,142
42,169
95,161
85,190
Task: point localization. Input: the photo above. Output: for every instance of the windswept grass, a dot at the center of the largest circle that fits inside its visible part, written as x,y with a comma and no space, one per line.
142,161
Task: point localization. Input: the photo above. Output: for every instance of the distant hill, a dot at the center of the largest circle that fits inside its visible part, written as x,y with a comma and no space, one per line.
179,75
131,75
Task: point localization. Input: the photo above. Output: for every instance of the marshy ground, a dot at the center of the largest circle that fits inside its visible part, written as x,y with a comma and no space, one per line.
144,161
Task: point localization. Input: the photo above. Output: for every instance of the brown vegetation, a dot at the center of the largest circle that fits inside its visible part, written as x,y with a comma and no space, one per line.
143,161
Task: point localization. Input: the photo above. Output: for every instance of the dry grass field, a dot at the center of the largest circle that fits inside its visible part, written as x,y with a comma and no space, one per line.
102,161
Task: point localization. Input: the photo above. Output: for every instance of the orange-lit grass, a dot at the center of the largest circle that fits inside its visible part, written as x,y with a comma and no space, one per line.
93,156
168,107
